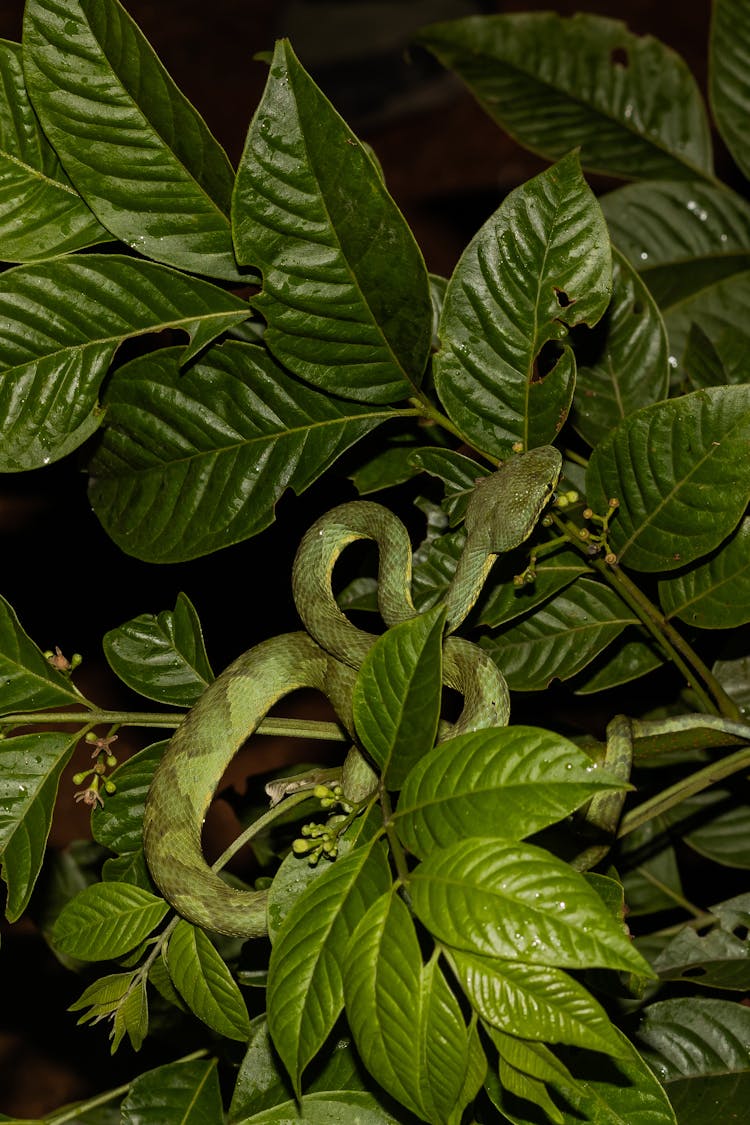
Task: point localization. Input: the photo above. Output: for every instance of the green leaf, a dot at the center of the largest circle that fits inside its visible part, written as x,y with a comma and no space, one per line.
396,698
553,83
329,1107
519,778
650,872
680,236
559,638
714,316
681,476
118,825
628,661
30,769
717,824
162,656
521,1067
535,1002
729,87
345,289
516,901
180,1093
107,920
60,324
624,362
503,599
305,986
715,593
247,431
698,1049
406,1023
540,265
42,213
30,682
205,983
122,998
714,957
132,144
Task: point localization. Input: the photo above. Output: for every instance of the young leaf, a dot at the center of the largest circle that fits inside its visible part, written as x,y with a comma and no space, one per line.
132,144
660,463
715,593
205,983
42,213
180,1093
30,768
698,1048
106,920
535,1002
519,902
629,367
517,779
559,638
680,236
630,102
729,87
247,431
118,825
538,266
30,682
60,324
396,698
305,987
162,657
122,998
406,1022
345,289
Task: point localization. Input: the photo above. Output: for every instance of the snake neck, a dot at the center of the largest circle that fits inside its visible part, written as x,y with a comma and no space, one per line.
474,566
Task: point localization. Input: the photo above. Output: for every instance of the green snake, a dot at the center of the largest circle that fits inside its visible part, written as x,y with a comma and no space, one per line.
502,510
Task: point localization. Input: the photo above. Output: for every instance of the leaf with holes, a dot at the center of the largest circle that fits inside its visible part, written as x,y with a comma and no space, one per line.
538,266
42,214
61,323
109,107
681,474
554,83
192,461
345,289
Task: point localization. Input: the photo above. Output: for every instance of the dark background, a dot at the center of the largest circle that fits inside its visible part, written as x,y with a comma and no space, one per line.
448,167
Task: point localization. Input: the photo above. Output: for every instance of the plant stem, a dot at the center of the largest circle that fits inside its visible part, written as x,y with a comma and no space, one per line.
289,728
427,409
258,825
683,789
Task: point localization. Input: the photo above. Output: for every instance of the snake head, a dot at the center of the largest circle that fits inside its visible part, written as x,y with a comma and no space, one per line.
505,506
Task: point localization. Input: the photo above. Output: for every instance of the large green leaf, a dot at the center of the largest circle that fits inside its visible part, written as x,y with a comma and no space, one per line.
305,985
626,365
554,83
406,1022
60,324
345,290
180,1093
41,212
247,431
717,956
396,697
326,1107
29,682
30,768
205,983
713,316
118,825
106,920
134,147
680,236
516,901
681,475
538,266
518,779
558,639
535,1002
699,1049
161,656
503,599
729,76
715,593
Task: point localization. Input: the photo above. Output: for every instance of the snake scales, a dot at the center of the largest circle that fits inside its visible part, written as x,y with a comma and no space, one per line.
502,511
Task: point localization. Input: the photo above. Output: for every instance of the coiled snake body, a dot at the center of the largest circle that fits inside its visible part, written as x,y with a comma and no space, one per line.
502,511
